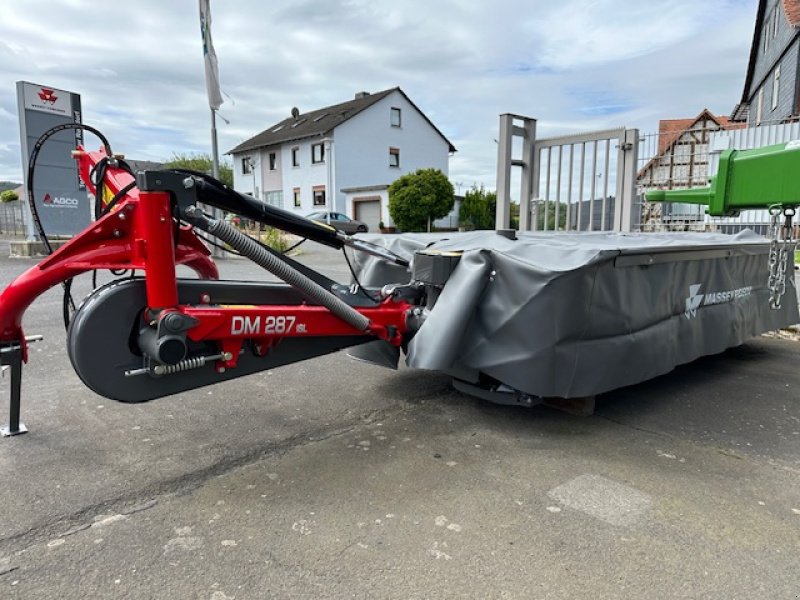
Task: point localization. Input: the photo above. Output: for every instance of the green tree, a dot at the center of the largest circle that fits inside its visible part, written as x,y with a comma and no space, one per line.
417,199
202,163
478,209
9,196
551,215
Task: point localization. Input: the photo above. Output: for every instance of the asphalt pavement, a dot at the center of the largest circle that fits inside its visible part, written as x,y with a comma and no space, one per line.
336,479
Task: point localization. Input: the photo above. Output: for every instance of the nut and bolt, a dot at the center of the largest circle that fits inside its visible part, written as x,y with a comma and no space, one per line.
205,299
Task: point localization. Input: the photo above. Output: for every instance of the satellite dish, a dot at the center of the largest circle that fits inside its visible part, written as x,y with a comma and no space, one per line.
295,112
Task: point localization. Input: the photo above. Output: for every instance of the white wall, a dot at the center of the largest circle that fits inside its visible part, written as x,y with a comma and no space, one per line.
305,176
362,148
272,180
360,155
247,184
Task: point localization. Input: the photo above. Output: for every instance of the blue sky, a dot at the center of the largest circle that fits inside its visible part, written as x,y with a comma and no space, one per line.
575,65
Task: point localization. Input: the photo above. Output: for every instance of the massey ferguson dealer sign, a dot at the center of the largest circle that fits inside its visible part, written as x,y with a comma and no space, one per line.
61,199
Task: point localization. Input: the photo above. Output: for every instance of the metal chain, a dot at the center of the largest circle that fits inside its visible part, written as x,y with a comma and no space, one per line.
779,249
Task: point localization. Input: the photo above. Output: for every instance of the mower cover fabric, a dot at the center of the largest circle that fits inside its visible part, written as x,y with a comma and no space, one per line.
577,314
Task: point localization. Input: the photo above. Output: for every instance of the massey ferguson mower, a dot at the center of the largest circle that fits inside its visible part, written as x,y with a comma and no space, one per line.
512,318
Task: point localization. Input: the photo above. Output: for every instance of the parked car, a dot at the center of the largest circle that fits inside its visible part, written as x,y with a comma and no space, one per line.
341,222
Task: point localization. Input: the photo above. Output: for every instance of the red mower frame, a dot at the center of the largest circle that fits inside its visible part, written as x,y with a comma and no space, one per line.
142,231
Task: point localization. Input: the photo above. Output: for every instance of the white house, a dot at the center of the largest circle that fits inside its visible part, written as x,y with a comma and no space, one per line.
356,148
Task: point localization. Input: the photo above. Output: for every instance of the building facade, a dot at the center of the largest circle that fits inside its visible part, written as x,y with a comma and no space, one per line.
771,93
341,158
681,161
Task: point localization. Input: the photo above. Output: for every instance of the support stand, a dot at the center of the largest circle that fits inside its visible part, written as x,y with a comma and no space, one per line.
11,356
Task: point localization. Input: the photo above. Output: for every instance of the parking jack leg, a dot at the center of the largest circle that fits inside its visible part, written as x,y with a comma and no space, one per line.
12,357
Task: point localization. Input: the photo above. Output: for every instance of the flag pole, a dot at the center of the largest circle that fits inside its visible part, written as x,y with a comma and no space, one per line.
214,97
214,149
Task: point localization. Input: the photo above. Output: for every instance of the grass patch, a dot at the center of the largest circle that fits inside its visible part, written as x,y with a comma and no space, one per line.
269,236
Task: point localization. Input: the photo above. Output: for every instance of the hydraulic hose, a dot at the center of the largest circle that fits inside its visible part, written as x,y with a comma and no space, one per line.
262,257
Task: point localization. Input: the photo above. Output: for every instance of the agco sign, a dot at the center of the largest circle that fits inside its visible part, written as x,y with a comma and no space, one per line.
59,201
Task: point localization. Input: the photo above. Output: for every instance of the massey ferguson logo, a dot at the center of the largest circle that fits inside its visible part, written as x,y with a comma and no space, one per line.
48,96
696,299
60,201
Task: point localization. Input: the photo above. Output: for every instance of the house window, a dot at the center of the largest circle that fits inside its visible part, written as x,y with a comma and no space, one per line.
776,23
760,106
319,195
274,198
273,161
396,117
767,36
776,87
295,157
247,165
394,157
317,153
296,196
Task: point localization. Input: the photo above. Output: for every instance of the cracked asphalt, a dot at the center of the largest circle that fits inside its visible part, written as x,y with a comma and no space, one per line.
336,479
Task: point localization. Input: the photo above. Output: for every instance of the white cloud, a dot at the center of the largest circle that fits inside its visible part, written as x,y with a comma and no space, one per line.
576,65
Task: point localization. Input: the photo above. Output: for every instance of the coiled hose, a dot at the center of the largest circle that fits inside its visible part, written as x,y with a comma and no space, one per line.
262,257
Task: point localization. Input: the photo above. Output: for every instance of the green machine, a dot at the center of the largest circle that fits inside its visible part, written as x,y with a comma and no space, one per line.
746,179
764,178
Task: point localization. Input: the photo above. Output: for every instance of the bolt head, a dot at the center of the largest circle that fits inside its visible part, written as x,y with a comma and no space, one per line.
205,299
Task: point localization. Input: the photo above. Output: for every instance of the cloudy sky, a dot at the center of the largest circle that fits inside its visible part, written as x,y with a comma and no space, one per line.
575,65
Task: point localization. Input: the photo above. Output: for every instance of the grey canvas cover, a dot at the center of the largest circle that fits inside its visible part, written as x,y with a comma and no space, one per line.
576,314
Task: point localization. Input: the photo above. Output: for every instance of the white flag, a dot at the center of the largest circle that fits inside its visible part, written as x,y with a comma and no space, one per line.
212,71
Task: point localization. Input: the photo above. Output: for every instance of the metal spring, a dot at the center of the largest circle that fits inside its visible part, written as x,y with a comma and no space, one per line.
185,365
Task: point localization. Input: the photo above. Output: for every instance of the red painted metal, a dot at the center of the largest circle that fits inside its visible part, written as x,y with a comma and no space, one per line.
153,240
387,321
108,243
138,233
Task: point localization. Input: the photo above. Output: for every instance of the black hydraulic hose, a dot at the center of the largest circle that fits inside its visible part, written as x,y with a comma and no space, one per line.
215,193
255,252
68,303
37,146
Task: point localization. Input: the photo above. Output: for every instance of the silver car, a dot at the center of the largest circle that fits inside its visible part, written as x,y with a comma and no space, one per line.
340,221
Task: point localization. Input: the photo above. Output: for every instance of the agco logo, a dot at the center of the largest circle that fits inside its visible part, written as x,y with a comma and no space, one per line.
60,201
47,95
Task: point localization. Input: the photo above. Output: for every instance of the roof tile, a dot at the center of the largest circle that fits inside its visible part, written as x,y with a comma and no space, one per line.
792,10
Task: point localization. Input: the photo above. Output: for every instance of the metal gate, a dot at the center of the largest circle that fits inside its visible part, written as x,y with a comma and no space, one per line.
584,182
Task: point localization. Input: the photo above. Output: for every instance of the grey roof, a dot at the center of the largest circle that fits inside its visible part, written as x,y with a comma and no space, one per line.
320,122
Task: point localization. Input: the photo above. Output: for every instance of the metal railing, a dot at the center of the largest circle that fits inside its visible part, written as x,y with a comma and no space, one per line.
12,222
582,182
